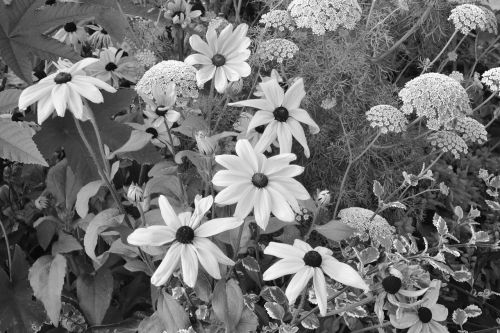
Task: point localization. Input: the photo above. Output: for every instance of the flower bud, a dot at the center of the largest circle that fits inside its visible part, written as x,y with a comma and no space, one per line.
135,193
205,144
323,197
41,202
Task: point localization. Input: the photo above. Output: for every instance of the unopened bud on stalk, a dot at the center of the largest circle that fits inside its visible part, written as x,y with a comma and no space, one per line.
135,193
323,197
205,144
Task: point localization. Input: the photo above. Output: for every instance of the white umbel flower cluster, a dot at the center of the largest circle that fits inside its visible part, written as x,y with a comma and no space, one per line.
378,229
457,76
448,141
278,19
161,74
325,15
437,97
387,118
146,58
469,17
471,130
491,79
278,49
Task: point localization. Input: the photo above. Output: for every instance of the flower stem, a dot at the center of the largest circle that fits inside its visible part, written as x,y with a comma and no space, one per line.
101,145
351,306
493,94
441,52
387,323
313,223
170,138
7,245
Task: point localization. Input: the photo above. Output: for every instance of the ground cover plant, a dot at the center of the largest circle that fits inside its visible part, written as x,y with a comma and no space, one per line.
249,166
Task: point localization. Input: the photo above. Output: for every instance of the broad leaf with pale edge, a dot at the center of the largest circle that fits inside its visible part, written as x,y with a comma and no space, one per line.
8,100
171,313
94,294
65,244
335,230
47,278
19,313
84,195
102,221
16,144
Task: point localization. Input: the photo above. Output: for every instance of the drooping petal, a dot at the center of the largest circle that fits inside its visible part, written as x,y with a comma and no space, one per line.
189,261
323,251
299,135
155,235
280,208
304,117
95,82
439,312
283,267
302,245
230,177
168,214
204,244
198,59
284,137
88,91
260,118
320,290
293,186
209,263
267,137
233,162
232,194
298,283
220,80
60,98
284,251
80,65
294,95
245,151
435,327
199,45
34,93
216,226
417,328
262,209
261,104
201,207
45,108
343,273
246,203
75,103
168,265
287,171
204,74
407,319
273,92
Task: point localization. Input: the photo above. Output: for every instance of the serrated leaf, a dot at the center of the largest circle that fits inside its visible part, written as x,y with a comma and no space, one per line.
65,244
16,144
335,230
250,264
311,322
440,225
493,204
84,195
8,100
473,311
47,278
459,212
94,294
462,275
273,294
459,317
171,313
274,310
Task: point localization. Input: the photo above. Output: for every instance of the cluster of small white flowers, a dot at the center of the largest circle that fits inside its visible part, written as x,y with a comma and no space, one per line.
491,79
471,130
328,103
278,49
437,97
161,74
448,141
278,19
457,76
387,118
146,58
217,23
360,219
469,17
325,15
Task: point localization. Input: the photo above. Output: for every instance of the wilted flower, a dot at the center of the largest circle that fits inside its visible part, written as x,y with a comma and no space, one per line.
99,38
135,194
468,17
273,76
278,19
71,34
282,113
207,145
491,79
325,15
113,66
437,97
165,72
189,239
158,131
387,118
222,58
41,202
305,263
278,49
471,130
63,90
263,184
448,141
179,12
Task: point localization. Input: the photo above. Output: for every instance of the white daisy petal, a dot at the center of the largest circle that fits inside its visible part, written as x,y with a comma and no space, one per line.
262,210
260,104
294,95
246,152
168,214
417,328
406,320
283,267
189,261
298,283
246,203
243,69
75,103
260,118
280,208
229,177
304,117
284,251
287,171
201,207
220,80
45,108
199,45
203,244
168,265
267,137
209,263
155,235
88,91
232,162
302,245
273,92
320,290
299,135
198,59
232,194
216,226
204,74
343,273
34,93
284,137
435,327
439,312
293,186
60,98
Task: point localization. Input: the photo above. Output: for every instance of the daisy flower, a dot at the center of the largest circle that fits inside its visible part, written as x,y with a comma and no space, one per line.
100,38
189,241
305,263
158,108
158,131
282,113
63,90
113,66
179,12
222,58
254,134
274,75
253,181
70,34
424,317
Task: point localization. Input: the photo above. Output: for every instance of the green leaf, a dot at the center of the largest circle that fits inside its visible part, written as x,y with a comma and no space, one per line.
19,313
63,184
94,294
8,100
16,144
228,303
273,294
84,195
473,311
152,324
248,322
46,228
102,221
311,322
335,230
57,132
459,317
65,244
368,255
171,313
47,278
274,310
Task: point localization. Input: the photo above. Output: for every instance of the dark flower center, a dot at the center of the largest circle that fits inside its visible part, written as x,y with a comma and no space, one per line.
152,131
50,2
70,27
313,259
218,60
184,235
111,66
161,111
180,14
424,314
391,284
260,129
104,32
62,77
280,114
260,180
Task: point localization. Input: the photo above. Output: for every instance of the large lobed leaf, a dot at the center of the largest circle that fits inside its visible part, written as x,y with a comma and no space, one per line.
16,144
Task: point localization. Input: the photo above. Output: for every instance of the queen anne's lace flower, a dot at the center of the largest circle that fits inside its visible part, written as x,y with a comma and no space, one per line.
146,58
469,17
278,19
471,130
218,23
387,118
359,218
457,76
448,141
491,79
325,15
161,74
436,97
277,49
